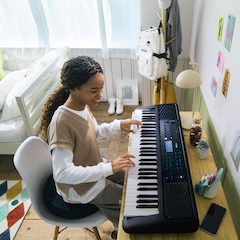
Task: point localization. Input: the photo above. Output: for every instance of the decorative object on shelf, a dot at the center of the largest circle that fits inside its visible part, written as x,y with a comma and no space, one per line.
203,148
208,184
195,131
189,79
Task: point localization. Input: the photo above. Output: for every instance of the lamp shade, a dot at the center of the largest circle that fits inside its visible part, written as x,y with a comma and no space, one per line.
188,79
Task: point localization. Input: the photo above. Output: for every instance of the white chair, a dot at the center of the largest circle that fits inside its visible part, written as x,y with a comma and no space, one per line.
33,161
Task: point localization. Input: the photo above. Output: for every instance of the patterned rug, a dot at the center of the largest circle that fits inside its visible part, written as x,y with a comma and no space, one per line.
14,204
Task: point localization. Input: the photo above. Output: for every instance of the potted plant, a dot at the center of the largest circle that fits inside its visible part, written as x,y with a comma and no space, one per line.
203,147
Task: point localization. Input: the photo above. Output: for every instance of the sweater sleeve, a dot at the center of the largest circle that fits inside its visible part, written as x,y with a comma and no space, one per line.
106,130
66,172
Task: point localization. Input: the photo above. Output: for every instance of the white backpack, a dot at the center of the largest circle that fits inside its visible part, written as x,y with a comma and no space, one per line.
151,54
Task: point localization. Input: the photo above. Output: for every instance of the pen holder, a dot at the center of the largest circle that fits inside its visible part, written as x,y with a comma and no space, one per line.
208,185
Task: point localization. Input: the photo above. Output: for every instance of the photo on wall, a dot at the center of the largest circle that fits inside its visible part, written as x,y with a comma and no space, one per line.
214,86
220,28
226,79
128,91
220,61
235,151
229,32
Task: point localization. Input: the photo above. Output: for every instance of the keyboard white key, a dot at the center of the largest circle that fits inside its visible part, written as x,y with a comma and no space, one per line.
136,188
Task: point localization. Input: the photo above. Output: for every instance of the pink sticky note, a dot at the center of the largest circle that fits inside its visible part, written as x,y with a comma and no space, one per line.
221,63
219,59
229,34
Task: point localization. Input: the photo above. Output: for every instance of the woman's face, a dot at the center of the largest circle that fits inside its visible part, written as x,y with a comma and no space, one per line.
89,93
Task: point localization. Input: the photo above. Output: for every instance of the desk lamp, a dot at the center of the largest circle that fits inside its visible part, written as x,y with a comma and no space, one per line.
189,79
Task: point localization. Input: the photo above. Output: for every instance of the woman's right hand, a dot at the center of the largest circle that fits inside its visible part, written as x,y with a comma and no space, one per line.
122,162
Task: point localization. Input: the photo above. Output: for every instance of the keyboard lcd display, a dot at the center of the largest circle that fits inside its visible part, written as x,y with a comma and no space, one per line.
169,146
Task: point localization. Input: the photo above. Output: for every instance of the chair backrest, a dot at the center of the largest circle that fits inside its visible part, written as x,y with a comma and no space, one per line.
33,162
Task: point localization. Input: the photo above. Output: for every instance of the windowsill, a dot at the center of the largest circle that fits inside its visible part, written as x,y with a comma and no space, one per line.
91,52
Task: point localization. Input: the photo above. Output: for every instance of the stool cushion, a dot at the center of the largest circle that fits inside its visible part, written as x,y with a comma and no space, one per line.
59,207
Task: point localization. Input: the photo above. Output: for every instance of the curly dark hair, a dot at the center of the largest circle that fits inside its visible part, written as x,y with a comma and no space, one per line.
74,73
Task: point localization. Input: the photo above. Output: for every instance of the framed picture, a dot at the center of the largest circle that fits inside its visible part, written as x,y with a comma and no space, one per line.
128,91
235,151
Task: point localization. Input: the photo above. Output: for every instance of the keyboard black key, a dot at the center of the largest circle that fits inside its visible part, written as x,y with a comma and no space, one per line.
147,196
147,201
147,189
146,206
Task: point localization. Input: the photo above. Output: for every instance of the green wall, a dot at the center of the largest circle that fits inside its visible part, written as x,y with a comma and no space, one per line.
229,186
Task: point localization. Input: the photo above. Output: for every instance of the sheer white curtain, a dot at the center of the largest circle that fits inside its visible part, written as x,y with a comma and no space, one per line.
123,23
72,22
106,27
17,25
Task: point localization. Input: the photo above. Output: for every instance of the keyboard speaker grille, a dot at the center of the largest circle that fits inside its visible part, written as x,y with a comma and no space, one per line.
177,202
167,111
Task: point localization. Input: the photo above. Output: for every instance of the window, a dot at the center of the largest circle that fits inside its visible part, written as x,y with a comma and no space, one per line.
81,24
17,24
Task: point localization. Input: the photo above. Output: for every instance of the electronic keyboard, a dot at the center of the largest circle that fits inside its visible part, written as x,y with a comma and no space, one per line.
159,193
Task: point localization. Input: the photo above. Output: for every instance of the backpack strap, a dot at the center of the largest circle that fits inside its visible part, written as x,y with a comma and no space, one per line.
161,55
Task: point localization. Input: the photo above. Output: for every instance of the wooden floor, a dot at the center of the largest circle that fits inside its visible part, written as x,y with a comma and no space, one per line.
33,227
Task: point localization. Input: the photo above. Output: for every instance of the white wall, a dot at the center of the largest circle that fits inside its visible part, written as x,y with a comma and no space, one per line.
225,112
199,21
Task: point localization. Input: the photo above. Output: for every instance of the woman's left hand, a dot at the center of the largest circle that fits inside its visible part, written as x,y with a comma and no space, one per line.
126,124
